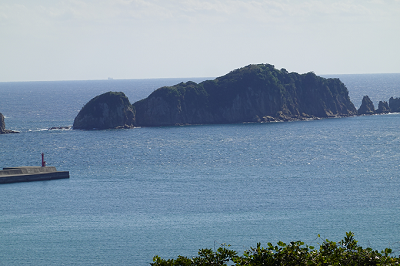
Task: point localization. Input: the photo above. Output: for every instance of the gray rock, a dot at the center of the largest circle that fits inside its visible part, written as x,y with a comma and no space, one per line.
367,106
106,111
383,108
394,104
3,129
2,124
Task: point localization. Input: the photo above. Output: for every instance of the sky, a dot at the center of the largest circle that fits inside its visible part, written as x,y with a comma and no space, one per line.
133,39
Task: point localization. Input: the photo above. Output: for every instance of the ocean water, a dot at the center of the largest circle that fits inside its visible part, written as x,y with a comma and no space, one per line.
170,191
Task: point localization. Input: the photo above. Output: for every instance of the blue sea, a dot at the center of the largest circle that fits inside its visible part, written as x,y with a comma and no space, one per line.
169,191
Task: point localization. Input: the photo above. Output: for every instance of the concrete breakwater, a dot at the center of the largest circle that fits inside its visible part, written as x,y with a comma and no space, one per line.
30,173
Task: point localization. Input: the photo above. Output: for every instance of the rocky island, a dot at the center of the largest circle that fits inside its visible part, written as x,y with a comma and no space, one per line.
109,110
367,106
255,93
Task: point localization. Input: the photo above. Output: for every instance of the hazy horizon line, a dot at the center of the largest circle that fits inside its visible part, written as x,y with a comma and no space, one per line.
120,79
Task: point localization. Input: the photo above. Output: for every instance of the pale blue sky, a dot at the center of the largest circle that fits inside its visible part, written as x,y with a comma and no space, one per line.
129,39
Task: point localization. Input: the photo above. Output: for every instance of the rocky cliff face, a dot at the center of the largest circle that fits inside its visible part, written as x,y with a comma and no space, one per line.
3,129
367,107
2,124
109,110
394,104
256,93
383,108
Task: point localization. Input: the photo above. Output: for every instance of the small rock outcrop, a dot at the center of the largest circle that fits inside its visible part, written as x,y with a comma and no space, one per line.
2,124
394,104
60,128
255,93
106,111
383,108
367,106
3,129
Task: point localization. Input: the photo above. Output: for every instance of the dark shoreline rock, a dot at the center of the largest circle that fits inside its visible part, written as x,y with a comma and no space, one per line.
383,108
3,129
367,106
60,128
106,111
394,104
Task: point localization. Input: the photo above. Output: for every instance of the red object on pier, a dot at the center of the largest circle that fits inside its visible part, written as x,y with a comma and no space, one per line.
43,162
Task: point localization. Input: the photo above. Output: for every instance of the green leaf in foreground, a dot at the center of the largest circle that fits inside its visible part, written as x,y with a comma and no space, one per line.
344,252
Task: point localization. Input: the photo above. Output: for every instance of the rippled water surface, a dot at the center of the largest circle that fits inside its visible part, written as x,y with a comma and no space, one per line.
170,191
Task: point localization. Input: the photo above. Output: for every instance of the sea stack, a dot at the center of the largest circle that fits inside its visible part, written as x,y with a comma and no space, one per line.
2,124
383,108
106,111
3,129
394,104
367,106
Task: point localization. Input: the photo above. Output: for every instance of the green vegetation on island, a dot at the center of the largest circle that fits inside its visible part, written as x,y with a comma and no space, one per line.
344,252
255,93
108,110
